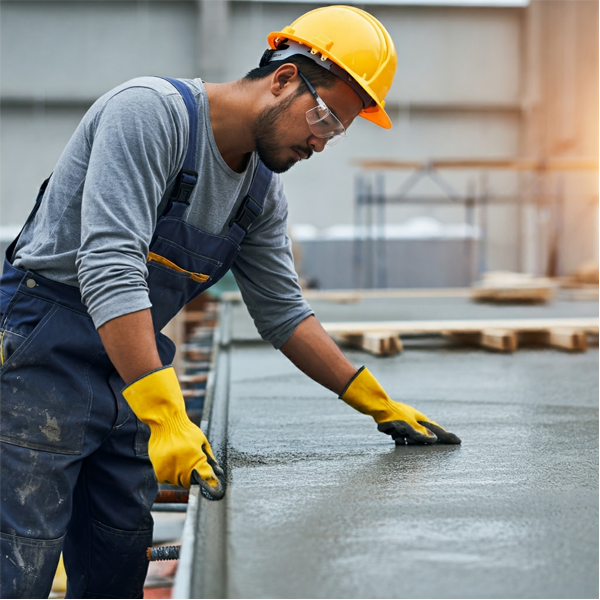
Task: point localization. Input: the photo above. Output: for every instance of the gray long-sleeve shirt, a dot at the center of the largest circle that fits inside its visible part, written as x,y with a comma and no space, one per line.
113,180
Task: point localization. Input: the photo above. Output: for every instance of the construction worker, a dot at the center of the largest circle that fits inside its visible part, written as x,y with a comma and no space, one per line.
164,187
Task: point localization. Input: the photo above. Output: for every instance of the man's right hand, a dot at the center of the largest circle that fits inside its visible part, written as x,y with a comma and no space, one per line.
178,450
404,423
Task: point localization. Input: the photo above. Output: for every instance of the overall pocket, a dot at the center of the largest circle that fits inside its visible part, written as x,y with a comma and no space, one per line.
197,277
142,435
44,379
24,316
183,259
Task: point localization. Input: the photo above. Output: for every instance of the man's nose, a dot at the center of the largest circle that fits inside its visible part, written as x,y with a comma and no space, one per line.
317,144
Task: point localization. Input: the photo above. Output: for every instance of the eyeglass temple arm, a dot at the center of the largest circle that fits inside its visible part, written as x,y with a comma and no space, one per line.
312,90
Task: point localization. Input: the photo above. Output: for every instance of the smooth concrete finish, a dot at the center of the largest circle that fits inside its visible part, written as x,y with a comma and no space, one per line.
321,505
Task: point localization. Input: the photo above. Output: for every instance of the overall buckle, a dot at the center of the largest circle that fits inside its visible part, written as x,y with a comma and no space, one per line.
248,211
186,180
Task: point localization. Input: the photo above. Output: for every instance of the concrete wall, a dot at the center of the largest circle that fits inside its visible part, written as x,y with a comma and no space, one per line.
463,89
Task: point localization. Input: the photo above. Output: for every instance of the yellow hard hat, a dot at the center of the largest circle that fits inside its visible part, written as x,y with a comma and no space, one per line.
355,41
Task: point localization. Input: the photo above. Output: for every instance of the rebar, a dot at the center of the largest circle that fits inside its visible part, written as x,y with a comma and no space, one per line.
163,553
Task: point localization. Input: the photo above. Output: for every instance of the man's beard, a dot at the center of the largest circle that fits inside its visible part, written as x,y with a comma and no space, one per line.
266,131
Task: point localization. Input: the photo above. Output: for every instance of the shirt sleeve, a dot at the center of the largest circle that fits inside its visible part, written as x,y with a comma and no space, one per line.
264,271
138,141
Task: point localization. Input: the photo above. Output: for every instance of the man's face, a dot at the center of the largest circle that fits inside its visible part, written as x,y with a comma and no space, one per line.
281,132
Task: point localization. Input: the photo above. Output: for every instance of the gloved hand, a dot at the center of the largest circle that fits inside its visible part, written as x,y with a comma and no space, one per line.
401,421
178,450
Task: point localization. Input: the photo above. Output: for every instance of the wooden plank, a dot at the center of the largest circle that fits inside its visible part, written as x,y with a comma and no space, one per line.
378,343
508,286
534,339
567,338
588,325
472,338
357,295
584,294
503,340
512,164
534,295
350,339
382,343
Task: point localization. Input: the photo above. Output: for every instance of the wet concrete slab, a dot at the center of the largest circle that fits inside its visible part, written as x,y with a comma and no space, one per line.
321,505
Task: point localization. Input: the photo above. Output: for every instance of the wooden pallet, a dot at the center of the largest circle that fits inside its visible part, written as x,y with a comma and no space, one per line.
349,296
504,287
504,335
574,289
380,343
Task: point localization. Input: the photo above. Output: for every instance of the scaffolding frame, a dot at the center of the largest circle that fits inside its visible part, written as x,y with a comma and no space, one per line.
370,201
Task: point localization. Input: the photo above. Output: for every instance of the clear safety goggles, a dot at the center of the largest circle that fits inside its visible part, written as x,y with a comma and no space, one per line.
322,122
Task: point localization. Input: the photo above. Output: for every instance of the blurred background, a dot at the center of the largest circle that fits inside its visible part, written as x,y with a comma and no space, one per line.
491,163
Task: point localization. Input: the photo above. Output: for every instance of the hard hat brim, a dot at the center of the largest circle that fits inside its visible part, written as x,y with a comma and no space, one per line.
379,117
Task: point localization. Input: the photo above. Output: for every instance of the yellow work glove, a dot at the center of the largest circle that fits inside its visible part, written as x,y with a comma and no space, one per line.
405,424
178,450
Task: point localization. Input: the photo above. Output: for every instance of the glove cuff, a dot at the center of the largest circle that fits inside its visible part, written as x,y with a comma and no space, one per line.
163,368
156,397
365,394
341,396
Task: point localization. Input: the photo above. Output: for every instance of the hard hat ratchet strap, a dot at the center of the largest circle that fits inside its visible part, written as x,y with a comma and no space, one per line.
289,48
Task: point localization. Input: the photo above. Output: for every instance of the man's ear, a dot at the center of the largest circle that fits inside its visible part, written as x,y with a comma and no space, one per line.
282,78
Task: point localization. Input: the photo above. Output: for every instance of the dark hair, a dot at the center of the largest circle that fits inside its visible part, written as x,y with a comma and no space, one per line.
319,77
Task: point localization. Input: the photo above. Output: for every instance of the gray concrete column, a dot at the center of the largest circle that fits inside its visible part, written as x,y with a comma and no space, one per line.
212,46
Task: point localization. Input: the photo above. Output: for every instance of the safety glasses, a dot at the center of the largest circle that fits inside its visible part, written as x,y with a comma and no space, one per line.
322,122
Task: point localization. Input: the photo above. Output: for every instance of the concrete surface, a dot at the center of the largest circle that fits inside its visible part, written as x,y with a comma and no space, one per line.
321,505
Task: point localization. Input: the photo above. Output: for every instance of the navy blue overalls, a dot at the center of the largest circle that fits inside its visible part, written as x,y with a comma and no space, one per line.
75,470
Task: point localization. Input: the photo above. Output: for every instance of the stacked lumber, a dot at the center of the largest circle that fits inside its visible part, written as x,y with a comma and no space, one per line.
587,272
508,287
583,283
503,335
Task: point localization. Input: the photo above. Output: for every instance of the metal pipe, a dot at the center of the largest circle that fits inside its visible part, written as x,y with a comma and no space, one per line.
163,553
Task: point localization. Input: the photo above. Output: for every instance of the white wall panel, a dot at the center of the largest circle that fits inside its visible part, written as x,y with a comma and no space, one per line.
31,141
82,49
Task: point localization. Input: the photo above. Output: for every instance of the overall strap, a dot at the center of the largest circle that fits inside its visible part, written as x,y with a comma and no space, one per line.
187,177
38,201
252,205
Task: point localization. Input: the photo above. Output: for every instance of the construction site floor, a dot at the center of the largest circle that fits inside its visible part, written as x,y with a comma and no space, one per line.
321,505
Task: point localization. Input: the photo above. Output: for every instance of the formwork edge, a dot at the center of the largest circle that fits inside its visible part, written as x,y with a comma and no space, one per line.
202,569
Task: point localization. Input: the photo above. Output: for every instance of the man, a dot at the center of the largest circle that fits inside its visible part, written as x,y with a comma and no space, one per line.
163,187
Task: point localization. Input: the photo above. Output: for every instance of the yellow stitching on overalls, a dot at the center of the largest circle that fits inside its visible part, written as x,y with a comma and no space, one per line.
198,277
2,347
